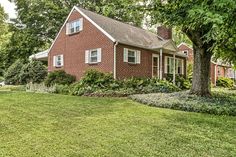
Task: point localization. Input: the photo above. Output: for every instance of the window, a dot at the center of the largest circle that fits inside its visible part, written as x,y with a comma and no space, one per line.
179,65
185,52
132,56
170,65
74,26
93,56
58,61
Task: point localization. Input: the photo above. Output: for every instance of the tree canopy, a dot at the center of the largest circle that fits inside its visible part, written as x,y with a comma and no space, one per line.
208,24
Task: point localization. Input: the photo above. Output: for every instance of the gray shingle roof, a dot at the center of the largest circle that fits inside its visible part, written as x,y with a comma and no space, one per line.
125,33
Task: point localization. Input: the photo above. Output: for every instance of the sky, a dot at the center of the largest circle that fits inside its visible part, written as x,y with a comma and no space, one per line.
9,8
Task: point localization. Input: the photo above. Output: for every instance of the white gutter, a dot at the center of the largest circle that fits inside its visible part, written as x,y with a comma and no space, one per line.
114,66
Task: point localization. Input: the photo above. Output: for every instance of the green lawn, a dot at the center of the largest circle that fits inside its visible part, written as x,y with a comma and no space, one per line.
56,125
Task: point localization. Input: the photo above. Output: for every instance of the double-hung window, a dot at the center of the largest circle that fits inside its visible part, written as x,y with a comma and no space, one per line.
58,61
132,56
74,26
93,56
179,66
169,65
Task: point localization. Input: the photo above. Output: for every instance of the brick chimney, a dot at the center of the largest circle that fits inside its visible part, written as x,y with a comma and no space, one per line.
164,32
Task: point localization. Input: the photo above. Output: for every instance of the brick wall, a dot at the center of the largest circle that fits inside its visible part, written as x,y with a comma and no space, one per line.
73,48
184,47
125,70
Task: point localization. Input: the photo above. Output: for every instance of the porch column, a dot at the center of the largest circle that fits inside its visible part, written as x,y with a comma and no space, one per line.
174,70
161,70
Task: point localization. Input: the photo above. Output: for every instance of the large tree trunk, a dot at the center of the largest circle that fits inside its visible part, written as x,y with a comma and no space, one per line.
201,71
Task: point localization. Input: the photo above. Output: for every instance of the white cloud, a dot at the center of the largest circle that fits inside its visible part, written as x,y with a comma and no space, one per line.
9,8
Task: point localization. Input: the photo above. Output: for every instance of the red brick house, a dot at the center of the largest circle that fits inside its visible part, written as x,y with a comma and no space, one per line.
90,41
218,68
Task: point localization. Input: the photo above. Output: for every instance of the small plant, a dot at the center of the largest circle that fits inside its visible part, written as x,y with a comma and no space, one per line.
40,88
59,77
225,82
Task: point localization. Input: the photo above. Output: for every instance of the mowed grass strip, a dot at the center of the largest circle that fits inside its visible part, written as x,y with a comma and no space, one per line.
56,125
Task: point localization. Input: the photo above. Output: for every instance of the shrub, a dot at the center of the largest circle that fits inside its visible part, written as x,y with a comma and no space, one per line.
96,83
1,79
180,81
12,75
34,72
225,82
59,77
62,89
97,79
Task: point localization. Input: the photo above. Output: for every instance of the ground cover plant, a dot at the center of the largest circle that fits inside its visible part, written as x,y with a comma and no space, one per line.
34,124
222,102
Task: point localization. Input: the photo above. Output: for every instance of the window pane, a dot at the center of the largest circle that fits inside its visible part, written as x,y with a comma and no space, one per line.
131,59
131,56
93,59
131,53
93,56
58,60
94,53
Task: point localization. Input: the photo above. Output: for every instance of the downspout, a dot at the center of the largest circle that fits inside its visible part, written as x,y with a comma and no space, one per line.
174,70
114,66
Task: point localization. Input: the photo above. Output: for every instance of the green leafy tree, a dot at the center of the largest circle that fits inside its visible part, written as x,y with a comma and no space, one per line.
33,72
4,39
12,75
207,24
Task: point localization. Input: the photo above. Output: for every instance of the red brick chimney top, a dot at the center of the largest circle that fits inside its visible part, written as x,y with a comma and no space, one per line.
164,32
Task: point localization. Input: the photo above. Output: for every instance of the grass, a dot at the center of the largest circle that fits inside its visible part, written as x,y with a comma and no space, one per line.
56,125
222,102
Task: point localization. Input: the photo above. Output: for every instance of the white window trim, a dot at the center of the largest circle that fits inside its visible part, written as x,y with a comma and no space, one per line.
55,61
88,56
68,29
137,56
176,67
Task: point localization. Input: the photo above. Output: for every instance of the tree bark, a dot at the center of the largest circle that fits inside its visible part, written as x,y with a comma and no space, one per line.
201,71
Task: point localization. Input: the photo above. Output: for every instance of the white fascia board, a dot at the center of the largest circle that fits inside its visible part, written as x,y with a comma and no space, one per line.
185,45
96,25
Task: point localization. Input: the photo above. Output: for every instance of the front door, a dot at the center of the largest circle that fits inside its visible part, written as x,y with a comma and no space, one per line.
155,65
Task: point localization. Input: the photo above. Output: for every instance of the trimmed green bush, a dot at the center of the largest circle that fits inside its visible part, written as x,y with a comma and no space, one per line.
33,72
225,82
12,75
59,77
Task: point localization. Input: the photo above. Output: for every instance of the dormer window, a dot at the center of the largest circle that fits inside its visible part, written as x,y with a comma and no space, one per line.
74,26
